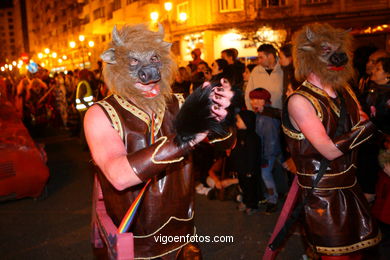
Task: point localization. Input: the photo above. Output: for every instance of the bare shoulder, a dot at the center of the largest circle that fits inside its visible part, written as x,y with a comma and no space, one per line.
298,104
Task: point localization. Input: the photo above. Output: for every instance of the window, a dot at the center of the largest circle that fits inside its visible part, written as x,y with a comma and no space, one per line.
9,13
11,33
10,20
103,38
231,5
116,5
273,3
182,8
12,40
98,13
11,27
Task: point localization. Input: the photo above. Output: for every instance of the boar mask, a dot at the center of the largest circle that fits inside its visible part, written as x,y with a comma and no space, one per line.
139,66
324,51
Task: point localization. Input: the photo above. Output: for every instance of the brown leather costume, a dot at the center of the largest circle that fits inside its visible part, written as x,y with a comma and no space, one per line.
167,206
336,218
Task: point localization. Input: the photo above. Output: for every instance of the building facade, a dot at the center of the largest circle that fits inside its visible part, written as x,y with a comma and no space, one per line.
211,25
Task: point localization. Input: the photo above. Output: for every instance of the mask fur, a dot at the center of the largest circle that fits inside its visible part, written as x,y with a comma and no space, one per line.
143,45
313,47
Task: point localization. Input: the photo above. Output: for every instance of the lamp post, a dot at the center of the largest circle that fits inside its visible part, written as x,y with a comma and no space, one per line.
81,46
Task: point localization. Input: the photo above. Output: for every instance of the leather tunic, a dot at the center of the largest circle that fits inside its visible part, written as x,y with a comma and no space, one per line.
167,205
337,219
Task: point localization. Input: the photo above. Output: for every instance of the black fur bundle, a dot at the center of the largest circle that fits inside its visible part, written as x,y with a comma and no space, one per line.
195,116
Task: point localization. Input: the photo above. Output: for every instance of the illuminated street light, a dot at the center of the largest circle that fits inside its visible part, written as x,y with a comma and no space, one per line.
183,17
54,55
47,50
10,67
19,66
154,16
72,44
14,63
40,55
2,69
168,6
20,62
6,66
59,60
91,44
81,38
64,57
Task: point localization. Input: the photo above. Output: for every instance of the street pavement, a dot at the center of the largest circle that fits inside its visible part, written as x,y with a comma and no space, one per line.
58,226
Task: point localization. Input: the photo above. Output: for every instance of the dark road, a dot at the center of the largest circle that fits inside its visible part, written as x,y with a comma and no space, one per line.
58,227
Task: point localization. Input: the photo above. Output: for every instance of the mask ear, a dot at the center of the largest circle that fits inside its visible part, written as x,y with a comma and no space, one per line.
108,56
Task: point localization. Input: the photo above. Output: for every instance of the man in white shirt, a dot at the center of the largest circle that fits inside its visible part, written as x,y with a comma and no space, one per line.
268,75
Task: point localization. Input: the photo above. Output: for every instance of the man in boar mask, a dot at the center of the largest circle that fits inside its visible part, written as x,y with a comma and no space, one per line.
133,141
324,125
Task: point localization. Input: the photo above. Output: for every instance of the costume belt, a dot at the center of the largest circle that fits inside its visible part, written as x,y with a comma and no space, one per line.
330,181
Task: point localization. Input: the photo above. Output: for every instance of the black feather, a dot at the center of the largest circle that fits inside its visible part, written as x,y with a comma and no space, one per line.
195,116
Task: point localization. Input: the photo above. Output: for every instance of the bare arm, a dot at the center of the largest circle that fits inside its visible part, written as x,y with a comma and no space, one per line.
303,117
108,150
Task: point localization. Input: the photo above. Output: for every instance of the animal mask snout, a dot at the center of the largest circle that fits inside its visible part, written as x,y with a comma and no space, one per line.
338,59
148,74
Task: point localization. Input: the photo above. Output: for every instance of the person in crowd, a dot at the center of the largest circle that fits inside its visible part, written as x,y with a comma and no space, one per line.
379,97
246,75
365,83
324,125
60,98
222,180
246,157
289,82
268,75
235,67
135,144
201,74
381,207
375,105
219,69
268,128
21,93
182,82
196,60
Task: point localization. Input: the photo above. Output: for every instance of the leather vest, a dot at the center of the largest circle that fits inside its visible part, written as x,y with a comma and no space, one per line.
337,219
167,206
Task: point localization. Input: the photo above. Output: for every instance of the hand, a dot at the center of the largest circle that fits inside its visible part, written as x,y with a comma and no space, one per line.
289,165
221,97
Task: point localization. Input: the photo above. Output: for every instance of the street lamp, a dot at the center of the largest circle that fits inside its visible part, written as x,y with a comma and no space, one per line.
73,44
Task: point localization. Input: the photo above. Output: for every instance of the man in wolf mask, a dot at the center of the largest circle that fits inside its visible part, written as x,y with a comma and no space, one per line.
120,131
337,221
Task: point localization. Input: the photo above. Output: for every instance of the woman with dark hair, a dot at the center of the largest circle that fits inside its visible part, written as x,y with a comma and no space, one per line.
182,82
289,82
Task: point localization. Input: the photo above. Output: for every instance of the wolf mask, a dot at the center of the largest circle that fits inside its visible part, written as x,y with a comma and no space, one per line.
139,66
324,51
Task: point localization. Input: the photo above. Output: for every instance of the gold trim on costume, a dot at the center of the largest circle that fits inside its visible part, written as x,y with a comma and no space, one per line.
333,188
324,94
349,248
221,139
350,91
293,135
170,251
164,138
362,128
313,101
116,123
166,223
180,98
328,174
141,114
